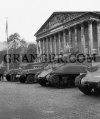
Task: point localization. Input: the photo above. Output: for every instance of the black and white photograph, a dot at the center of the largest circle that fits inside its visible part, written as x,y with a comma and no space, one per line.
49,59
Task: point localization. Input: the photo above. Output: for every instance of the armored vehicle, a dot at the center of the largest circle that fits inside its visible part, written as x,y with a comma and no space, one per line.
89,83
42,77
65,75
2,72
29,75
61,74
13,75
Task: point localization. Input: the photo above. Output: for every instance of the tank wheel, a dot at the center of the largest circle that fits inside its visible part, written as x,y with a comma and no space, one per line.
22,79
36,76
13,78
42,81
30,79
85,89
57,81
8,77
78,80
96,91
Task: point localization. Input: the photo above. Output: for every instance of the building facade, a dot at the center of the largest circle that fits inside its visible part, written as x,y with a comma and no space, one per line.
63,30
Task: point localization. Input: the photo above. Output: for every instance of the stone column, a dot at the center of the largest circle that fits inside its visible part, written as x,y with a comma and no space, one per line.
82,39
90,33
98,36
59,41
37,47
69,32
47,46
51,50
43,46
40,47
43,54
40,52
64,40
37,60
55,45
50,46
75,30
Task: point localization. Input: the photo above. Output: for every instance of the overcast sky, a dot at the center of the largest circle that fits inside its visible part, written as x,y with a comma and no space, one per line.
27,16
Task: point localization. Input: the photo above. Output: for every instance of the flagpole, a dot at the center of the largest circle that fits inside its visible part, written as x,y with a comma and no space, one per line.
7,45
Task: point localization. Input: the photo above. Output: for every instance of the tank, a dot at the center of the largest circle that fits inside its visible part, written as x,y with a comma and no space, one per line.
89,83
61,74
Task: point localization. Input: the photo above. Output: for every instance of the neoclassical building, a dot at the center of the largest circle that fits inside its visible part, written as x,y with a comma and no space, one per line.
79,30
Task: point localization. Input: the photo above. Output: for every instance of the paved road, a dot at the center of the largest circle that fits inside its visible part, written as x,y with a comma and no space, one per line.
31,101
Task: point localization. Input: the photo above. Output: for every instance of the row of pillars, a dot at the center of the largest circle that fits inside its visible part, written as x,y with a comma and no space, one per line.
54,43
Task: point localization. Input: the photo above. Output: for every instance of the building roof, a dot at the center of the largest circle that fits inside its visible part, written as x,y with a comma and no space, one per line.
58,18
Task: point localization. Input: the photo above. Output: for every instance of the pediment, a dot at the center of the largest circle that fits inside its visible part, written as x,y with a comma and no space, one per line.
58,18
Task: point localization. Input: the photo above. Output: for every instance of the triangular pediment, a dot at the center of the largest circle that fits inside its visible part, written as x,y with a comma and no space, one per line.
58,18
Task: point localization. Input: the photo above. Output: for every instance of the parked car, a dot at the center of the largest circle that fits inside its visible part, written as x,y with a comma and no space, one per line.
61,75
89,84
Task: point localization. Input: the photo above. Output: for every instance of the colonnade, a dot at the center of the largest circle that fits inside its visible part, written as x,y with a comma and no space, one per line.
81,36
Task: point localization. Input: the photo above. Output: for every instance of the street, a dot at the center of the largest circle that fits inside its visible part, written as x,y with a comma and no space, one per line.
32,101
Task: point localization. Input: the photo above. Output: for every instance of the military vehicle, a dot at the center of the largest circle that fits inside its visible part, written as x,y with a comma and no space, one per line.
89,83
61,72
13,75
2,72
61,75
30,75
42,77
